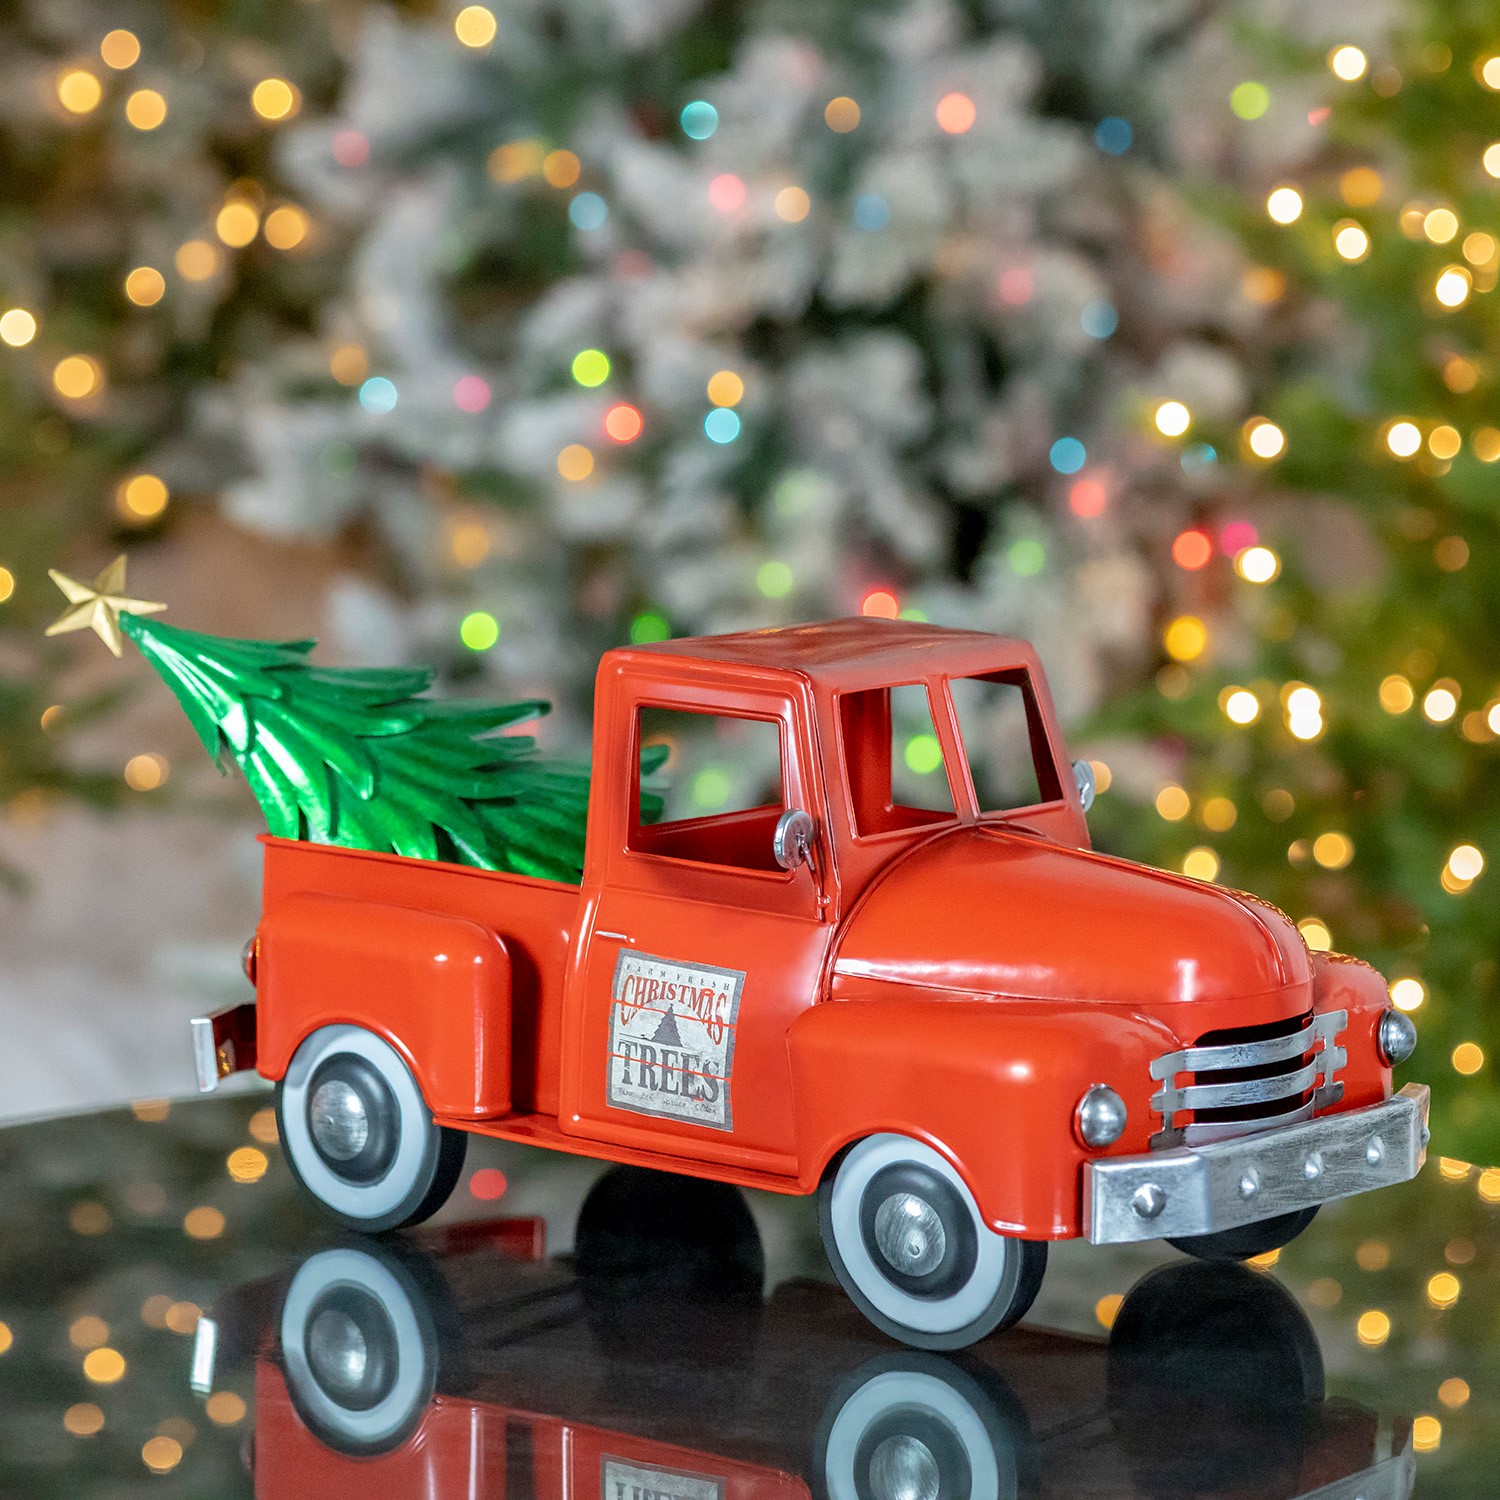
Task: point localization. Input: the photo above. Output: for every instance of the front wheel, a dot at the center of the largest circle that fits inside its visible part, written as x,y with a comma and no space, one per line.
358,1135
906,1241
1249,1240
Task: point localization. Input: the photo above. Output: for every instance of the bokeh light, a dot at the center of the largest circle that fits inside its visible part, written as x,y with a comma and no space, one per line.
575,462
1284,205
146,109
955,113
623,422
699,119
1348,63
841,114
119,49
590,367
275,99
475,26
79,91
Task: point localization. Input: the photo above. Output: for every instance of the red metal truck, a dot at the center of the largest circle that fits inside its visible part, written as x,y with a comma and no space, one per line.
878,960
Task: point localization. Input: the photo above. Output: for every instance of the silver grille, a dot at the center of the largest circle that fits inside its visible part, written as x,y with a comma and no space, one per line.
1235,1082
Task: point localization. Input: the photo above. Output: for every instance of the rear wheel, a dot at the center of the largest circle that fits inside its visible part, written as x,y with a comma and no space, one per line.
358,1135
907,1243
1249,1240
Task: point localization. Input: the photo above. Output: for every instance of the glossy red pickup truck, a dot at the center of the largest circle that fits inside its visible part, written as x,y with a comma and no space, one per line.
865,950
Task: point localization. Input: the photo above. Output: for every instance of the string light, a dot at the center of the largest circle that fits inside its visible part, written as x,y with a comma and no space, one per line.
1491,159
1487,71
1404,439
1440,703
83,1419
1440,225
285,227
475,26
1264,438
146,109
1249,100
1185,638
1219,814
1172,419
1350,240
141,498
1192,549
590,367
880,604
1284,205
1396,694
841,114
146,772
1453,1392
1466,863
699,119
1304,712
726,193
1444,442
1453,286
1479,248
623,423
225,1408
237,223
1361,187
77,376
1333,850
1240,705
561,169
1201,864
1173,803
196,260
792,205
145,286
955,113
721,425
1373,1328
104,1366
1257,564
575,462
1408,993
119,49
79,91
1315,934
161,1454
17,327
1467,1059
774,579
275,99
1347,63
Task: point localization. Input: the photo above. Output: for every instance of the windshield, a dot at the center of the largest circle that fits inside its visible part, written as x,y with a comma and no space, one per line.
1004,740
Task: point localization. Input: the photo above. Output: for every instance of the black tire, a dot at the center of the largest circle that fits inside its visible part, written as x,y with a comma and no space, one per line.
360,1349
1249,1240
958,1281
401,1167
915,1422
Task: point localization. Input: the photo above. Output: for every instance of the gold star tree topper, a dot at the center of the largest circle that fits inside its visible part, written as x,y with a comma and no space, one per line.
98,606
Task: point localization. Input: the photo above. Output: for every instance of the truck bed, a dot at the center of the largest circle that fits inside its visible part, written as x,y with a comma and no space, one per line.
536,920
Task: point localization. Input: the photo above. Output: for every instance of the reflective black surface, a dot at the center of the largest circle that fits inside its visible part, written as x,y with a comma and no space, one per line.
687,1344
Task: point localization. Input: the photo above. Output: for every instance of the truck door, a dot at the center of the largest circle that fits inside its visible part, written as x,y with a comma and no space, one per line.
702,949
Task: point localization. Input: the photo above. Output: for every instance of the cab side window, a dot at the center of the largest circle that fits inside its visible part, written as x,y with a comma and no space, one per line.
894,760
716,797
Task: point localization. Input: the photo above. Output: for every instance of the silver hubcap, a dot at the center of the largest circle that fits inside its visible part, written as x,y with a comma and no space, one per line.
903,1468
339,1123
910,1234
337,1351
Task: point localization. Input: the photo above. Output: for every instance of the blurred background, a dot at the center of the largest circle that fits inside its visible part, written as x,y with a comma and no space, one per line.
494,336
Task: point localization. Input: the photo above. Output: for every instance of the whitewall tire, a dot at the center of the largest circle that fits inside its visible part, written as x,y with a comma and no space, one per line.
907,1243
358,1135
360,1351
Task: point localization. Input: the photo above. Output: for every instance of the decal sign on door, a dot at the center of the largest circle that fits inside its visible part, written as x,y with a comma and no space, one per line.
622,1481
671,1038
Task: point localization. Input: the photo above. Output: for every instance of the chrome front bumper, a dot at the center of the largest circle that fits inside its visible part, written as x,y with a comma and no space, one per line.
1188,1191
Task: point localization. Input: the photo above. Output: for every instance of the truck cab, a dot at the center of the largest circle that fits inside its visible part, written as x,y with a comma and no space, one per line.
858,944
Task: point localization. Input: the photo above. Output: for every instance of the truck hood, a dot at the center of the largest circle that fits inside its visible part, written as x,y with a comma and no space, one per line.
992,911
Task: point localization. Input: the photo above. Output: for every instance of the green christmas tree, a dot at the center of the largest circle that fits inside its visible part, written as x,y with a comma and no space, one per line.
358,756
1330,688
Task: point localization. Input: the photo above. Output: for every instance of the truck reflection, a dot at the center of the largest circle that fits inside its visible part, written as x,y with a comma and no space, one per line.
649,1367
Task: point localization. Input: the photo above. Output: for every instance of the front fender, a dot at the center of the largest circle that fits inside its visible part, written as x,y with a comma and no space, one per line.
991,1084
1350,984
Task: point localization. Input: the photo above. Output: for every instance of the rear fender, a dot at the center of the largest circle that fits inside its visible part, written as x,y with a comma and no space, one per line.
993,1085
437,988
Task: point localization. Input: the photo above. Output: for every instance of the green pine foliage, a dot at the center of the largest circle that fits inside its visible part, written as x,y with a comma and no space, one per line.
358,757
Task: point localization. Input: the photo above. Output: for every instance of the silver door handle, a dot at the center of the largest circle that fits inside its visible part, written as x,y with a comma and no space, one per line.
614,937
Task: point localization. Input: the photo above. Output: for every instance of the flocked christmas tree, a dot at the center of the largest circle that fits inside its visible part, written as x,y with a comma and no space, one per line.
357,757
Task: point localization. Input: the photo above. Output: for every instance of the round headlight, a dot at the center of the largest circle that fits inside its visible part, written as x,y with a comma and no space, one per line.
1397,1036
1101,1116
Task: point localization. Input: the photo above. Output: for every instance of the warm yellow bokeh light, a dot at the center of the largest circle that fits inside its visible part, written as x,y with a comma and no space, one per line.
1426,1434
1264,439
104,1366
1173,803
1201,864
475,26
1466,862
575,462
1350,240
275,99
1360,187
1333,850
161,1454
841,114
142,497
1454,1391
1468,1058
203,1223
1403,439
1241,706
725,388
1440,704
349,364
792,205
1452,286
237,223
83,1419
77,376
1408,993
1185,638
1172,419
146,109
224,1408
1284,205
561,169
196,260
1396,694
1479,248
1443,1289
1348,63
1219,814
285,227
145,286
17,327
1444,442
247,1164
1491,159
120,49
144,773
1440,225
79,91
1315,934
1487,71
1373,1328
1257,564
